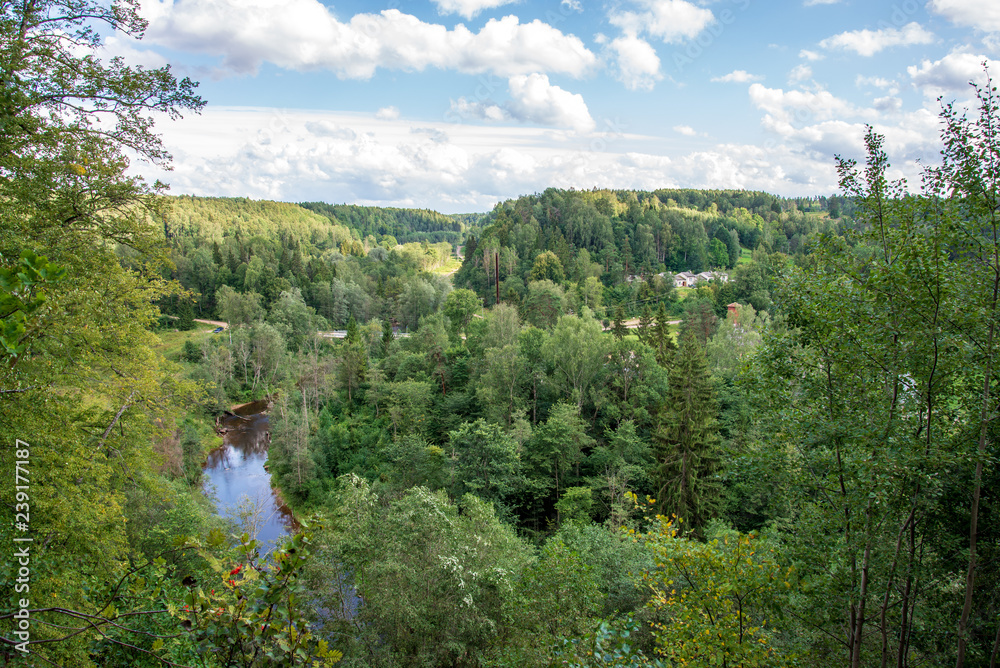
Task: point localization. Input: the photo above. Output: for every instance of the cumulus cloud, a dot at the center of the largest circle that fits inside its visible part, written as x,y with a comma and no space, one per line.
788,106
303,35
462,110
686,130
468,8
130,51
389,113
877,82
981,14
869,42
575,5
806,54
534,100
799,73
668,20
737,76
888,104
451,167
637,62
949,75
326,128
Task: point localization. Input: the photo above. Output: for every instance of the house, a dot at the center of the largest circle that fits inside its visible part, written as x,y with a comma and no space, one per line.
709,276
685,279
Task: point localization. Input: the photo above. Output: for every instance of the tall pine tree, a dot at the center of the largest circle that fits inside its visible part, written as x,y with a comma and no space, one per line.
687,440
660,339
618,329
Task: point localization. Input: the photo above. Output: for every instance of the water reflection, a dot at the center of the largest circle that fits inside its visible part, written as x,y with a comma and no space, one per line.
235,475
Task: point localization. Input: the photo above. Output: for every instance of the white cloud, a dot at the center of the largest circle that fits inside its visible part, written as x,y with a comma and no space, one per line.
810,3
888,104
798,105
637,62
129,50
463,110
686,130
799,73
575,5
301,156
303,35
981,14
949,75
326,128
737,76
468,8
389,113
534,100
669,20
870,42
806,54
877,82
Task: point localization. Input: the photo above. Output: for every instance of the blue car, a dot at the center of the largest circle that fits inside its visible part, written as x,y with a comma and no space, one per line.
217,330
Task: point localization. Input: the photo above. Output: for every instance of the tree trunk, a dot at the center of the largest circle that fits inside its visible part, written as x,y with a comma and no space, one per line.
984,417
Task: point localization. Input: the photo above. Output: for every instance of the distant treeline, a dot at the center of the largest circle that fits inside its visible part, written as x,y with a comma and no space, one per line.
569,236
404,225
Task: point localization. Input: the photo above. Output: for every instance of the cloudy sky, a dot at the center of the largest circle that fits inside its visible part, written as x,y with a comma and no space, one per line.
455,105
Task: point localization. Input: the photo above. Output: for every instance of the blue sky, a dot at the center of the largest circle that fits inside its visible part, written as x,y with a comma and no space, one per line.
455,105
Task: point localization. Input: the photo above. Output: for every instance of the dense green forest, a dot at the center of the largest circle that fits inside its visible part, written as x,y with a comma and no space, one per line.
796,466
404,225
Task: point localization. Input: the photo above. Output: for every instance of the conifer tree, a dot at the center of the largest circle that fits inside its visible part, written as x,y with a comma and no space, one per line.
387,337
185,315
619,329
660,338
687,440
645,325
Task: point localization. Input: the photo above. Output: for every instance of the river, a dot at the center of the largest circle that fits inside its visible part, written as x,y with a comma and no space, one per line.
236,478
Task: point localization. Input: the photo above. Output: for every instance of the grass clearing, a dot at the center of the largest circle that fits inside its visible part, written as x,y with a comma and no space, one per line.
746,255
172,341
453,265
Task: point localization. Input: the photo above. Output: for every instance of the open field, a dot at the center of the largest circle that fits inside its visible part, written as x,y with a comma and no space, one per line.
453,265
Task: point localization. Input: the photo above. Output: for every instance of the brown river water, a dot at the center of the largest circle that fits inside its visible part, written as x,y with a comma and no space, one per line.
235,476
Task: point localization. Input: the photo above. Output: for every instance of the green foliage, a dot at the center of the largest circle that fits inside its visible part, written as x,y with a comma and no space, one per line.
611,645
487,463
460,306
436,578
544,304
252,614
555,597
576,351
687,441
91,395
547,267
22,294
716,603
576,504
618,329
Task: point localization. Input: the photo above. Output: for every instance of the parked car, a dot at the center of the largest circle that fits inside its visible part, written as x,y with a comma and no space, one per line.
217,330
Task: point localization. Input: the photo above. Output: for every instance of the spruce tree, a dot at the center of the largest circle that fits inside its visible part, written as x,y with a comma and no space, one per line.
687,440
660,338
619,329
185,315
387,337
645,330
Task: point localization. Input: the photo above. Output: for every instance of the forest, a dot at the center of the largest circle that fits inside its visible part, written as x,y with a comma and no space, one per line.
529,447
